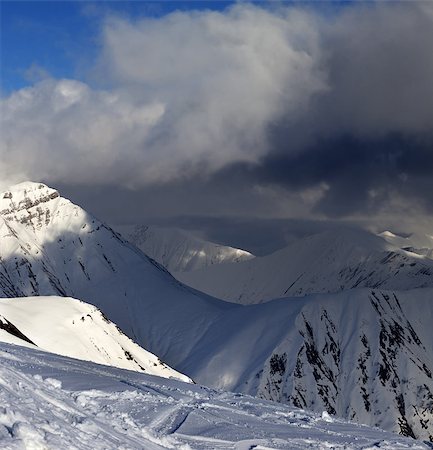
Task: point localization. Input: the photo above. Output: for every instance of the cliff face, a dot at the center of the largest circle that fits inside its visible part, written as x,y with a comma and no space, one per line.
367,357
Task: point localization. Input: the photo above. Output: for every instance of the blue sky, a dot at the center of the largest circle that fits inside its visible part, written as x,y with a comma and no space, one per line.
61,37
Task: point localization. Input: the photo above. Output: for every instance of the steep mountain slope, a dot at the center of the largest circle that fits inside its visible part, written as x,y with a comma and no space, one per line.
50,246
362,354
365,355
328,262
73,328
422,244
52,402
179,251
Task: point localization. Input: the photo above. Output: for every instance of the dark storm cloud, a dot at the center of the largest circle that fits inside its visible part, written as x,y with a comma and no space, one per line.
360,173
167,206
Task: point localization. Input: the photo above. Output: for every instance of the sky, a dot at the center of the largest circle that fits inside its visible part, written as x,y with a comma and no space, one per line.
250,123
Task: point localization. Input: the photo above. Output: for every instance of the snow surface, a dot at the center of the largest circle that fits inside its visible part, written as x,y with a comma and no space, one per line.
53,402
331,261
73,328
178,250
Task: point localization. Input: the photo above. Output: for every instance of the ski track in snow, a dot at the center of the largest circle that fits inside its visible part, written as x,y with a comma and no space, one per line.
52,402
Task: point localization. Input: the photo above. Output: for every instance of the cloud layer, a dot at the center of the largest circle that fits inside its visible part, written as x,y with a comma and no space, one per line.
301,113
190,93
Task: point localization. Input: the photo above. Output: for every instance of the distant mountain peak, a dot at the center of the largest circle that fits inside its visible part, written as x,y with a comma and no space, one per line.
180,251
387,233
327,262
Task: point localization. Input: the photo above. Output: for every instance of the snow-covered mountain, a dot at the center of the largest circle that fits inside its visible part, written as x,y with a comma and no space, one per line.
356,353
49,246
331,261
52,402
76,329
178,250
422,244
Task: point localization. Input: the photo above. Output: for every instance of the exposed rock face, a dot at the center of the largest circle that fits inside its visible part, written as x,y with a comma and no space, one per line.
364,361
43,242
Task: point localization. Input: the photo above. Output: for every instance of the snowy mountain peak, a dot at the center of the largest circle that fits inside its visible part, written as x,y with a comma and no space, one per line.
387,233
24,196
180,251
34,205
419,243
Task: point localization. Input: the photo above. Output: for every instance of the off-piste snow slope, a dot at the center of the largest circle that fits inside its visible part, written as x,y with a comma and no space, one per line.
178,250
363,354
52,402
73,328
331,261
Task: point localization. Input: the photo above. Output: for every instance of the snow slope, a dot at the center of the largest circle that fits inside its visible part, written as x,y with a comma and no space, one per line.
179,251
73,328
332,261
53,402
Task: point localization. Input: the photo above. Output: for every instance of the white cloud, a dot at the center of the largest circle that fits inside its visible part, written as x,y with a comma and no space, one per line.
192,92
61,130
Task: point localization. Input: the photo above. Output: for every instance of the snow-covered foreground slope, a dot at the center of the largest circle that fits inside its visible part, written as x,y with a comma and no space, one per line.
179,251
73,328
332,261
53,402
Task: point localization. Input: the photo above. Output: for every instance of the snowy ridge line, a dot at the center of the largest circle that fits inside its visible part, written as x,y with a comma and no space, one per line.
328,262
421,244
179,251
51,402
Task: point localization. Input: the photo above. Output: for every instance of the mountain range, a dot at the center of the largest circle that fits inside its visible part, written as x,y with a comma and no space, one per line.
331,261
355,346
